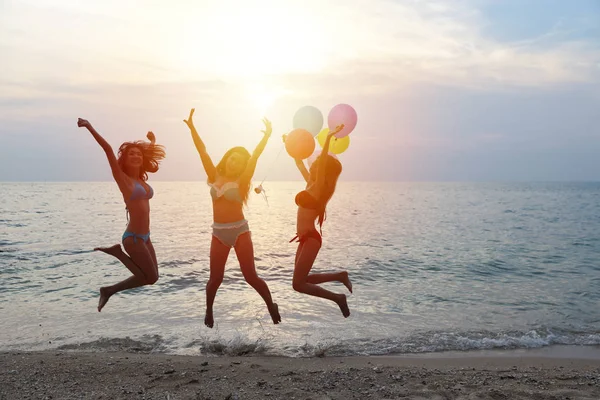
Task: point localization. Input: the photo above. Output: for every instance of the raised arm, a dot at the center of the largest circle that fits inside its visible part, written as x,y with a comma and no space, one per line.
303,170
300,165
117,173
322,162
209,167
251,167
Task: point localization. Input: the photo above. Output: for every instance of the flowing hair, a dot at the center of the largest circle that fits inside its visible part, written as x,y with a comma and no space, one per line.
221,169
333,169
152,155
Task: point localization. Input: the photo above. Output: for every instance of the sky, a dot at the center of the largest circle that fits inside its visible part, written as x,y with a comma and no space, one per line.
461,90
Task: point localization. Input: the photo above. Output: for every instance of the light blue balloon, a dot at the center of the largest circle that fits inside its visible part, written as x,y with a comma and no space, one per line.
309,118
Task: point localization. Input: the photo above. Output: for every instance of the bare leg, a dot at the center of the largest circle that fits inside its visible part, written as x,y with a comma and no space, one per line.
305,260
140,254
218,257
107,291
245,254
118,253
341,276
152,254
141,258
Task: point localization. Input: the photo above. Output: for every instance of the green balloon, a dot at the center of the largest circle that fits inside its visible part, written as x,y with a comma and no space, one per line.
310,119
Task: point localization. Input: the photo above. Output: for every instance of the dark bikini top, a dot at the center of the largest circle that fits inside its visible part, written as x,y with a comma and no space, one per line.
306,200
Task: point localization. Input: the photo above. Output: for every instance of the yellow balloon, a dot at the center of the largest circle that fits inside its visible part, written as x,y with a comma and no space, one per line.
336,146
322,136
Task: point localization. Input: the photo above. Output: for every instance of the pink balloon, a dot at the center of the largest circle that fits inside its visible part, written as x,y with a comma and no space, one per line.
342,114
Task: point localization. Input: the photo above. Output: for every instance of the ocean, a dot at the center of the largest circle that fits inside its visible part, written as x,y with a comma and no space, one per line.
435,267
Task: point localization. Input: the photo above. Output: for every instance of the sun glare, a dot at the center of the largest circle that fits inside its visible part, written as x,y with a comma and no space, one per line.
262,96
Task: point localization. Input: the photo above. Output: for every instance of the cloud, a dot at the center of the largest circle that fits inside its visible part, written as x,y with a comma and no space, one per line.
429,42
377,44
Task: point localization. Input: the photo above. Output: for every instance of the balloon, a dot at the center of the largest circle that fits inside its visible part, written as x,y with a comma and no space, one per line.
342,114
299,144
309,118
336,146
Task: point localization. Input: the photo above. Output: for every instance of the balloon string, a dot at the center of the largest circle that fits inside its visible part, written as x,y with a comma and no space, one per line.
272,163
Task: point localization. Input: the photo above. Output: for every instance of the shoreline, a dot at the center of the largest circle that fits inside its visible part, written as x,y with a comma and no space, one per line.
511,374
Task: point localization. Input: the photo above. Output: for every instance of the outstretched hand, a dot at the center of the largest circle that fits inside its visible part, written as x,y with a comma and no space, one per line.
190,122
151,137
268,129
336,130
83,123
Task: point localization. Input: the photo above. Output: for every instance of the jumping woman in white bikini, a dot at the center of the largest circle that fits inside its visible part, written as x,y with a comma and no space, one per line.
230,185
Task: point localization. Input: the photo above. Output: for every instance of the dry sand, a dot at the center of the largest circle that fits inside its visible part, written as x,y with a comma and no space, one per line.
507,375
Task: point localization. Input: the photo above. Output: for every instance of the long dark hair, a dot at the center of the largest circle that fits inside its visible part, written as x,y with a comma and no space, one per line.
333,170
221,169
152,154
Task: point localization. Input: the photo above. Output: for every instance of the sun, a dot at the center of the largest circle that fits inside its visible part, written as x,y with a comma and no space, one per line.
262,97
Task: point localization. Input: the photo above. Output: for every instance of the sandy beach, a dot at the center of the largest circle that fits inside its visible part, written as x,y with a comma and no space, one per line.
493,375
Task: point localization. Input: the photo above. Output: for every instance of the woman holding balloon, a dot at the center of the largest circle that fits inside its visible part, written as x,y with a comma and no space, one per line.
321,179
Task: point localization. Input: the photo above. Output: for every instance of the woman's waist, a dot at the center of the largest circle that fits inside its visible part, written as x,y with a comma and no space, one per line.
138,228
138,209
226,216
138,217
227,204
307,214
304,225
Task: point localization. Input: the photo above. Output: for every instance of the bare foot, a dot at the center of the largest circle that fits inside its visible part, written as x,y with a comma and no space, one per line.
343,304
274,311
114,251
208,319
104,296
346,281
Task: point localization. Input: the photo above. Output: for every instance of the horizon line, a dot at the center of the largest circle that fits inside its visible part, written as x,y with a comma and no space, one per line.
344,181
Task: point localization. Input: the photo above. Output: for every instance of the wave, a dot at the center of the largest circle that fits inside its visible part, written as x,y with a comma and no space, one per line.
424,342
